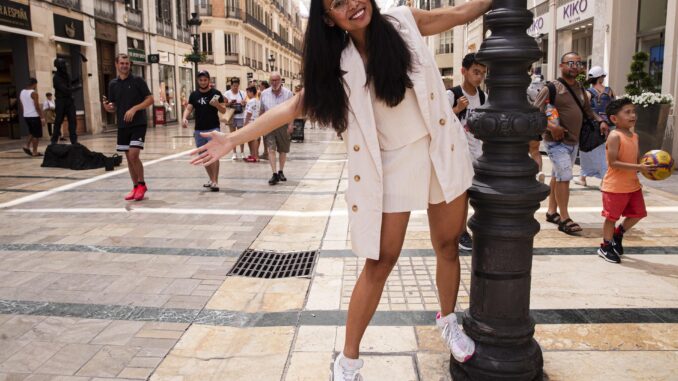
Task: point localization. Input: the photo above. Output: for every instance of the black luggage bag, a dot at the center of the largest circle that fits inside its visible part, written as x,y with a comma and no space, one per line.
76,156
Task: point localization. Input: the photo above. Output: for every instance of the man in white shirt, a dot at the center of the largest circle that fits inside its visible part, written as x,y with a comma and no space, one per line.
236,99
279,140
32,114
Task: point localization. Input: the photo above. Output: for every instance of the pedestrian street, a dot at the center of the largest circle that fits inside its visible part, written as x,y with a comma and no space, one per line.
93,287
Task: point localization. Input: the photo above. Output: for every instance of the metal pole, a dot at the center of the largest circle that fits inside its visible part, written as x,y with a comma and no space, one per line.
505,195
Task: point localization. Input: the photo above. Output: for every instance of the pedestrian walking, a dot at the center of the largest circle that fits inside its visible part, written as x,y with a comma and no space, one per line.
237,101
49,110
465,98
64,88
207,103
33,116
251,114
279,140
129,99
562,141
406,150
593,163
622,192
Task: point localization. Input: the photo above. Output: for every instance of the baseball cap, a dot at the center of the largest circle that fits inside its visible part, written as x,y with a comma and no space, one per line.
203,73
597,72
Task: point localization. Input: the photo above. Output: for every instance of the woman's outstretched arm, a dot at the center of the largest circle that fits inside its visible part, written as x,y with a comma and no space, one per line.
440,20
221,143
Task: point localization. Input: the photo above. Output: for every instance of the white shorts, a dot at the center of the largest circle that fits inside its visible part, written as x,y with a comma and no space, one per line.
410,183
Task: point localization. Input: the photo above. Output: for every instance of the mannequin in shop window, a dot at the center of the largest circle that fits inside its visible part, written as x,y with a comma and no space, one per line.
64,88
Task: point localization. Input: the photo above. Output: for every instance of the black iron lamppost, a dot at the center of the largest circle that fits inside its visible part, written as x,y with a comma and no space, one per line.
271,61
194,23
505,195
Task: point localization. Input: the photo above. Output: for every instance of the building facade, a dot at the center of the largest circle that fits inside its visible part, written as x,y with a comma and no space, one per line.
249,39
605,33
88,34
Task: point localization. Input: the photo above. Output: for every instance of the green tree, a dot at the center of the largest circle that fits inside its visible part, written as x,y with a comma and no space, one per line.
639,80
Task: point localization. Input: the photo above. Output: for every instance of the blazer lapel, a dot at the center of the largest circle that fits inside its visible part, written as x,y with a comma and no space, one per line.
359,100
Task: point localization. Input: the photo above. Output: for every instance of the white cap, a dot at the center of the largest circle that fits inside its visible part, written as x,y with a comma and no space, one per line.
597,72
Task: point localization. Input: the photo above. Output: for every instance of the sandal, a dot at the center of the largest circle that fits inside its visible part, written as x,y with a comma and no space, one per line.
27,151
569,227
553,218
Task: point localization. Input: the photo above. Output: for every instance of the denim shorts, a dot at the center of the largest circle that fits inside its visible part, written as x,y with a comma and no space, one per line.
562,158
199,140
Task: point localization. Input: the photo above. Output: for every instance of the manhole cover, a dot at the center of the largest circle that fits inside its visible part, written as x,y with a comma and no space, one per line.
271,265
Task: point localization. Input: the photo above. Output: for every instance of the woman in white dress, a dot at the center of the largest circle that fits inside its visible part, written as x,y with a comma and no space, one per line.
372,77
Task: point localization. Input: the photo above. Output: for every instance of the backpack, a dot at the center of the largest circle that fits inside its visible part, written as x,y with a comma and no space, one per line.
458,93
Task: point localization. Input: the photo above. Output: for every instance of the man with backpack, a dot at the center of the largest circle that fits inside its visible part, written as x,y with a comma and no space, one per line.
562,141
236,99
464,99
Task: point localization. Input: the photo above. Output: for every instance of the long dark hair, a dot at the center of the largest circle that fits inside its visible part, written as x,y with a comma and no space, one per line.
389,61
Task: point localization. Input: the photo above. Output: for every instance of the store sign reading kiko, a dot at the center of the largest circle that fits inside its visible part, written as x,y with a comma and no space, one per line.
574,12
15,15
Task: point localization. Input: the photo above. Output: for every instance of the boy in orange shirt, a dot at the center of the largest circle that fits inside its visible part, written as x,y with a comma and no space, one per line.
622,194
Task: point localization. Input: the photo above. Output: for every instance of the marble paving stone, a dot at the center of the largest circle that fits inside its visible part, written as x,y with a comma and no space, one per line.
607,337
309,366
108,362
382,339
315,339
136,373
29,358
393,368
118,333
17,326
610,365
69,359
260,295
433,366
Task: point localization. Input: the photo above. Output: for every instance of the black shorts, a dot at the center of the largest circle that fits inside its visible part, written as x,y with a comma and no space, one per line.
131,137
34,127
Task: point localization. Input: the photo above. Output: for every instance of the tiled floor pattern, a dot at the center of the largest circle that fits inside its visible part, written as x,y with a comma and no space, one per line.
267,343
411,285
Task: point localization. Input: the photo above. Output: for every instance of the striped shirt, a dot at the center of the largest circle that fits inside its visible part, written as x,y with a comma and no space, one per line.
270,100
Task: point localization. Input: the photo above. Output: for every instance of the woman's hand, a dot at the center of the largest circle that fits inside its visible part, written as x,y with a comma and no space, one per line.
216,148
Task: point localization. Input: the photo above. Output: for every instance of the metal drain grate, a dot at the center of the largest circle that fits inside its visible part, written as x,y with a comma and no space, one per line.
272,265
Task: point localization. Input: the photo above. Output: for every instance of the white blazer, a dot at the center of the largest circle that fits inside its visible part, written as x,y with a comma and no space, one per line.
449,150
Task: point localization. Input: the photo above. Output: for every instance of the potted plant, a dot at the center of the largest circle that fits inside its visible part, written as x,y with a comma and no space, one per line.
652,107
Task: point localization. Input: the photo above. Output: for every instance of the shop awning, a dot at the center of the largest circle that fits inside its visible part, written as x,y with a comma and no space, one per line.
30,33
70,41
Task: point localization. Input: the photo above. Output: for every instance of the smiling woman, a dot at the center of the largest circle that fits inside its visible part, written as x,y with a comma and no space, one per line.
372,77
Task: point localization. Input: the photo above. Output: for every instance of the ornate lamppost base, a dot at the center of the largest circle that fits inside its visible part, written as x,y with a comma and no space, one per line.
495,363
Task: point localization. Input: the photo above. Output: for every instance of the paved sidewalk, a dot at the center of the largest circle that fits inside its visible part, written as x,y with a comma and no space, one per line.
96,288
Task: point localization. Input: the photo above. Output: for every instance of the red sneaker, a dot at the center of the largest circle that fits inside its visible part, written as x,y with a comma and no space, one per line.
130,195
140,192
251,159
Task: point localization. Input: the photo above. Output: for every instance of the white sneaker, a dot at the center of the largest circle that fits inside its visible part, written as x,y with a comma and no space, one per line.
234,157
239,155
461,346
345,369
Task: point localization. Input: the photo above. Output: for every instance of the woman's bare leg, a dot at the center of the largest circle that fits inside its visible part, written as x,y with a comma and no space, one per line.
447,222
368,289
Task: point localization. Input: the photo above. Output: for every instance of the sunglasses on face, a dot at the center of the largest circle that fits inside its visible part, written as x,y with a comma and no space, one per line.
572,64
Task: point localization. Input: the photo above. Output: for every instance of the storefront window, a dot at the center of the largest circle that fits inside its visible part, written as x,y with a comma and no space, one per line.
651,29
138,71
168,92
185,85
